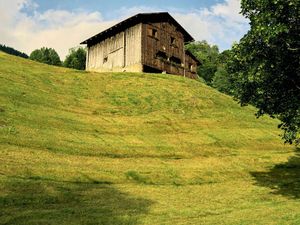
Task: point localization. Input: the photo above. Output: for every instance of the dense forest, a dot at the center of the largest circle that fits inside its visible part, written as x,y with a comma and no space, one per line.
12,51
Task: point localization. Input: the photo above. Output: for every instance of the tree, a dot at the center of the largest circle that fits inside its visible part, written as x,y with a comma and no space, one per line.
76,58
46,55
12,51
264,66
208,55
221,79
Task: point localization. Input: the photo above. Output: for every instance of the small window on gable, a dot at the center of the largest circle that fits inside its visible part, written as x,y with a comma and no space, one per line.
153,32
173,41
105,59
191,67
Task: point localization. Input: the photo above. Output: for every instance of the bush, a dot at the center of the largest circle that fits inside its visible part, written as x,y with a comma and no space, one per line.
76,58
46,55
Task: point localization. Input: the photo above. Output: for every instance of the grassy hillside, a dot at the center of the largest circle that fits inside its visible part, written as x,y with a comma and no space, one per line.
121,148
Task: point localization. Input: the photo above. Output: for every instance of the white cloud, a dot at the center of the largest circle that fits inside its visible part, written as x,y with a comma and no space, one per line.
61,29
230,10
221,24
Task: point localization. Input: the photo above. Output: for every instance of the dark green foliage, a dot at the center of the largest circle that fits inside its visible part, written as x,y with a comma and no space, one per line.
213,69
46,55
221,79
265,64
76,58
36,55
12,51
208,55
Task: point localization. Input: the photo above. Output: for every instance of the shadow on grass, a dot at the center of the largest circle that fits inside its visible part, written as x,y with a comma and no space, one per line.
284,178
27,201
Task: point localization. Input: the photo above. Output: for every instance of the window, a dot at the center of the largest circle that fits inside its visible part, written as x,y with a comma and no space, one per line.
175,60
105,59
191,67
173,41
161,55
152,32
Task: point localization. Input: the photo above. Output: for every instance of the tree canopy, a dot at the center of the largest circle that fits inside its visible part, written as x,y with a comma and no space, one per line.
208,55
264,66
46,55
221,79
213,69
76,58
12,51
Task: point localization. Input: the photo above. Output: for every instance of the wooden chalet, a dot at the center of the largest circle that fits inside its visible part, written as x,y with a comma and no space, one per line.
147,42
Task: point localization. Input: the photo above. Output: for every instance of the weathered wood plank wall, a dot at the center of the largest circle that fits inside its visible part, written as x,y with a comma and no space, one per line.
163,49
150,47
121,52
133,45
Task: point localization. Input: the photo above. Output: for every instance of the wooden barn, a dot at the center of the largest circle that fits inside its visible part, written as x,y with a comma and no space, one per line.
147,42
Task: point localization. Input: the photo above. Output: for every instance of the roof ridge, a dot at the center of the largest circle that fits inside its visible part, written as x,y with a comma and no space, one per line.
131,21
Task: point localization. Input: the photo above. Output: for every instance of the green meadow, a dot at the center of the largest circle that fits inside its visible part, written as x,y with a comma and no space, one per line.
127,148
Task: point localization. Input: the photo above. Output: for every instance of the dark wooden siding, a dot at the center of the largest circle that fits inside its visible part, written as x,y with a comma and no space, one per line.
191,67
163,50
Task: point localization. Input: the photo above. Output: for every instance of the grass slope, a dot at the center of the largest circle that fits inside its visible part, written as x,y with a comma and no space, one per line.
88,148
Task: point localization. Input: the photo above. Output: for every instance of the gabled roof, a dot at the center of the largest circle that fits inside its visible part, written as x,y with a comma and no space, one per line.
138,18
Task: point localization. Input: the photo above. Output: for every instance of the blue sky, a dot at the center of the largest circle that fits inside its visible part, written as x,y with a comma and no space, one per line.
62,24
106,7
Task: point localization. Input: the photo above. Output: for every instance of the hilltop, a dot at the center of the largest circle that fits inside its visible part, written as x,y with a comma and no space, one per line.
129,148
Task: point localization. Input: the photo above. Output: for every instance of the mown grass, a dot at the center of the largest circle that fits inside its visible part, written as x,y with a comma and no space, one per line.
125,148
